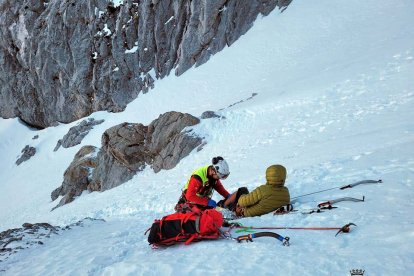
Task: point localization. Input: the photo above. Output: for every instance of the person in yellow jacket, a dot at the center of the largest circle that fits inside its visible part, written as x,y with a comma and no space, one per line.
265,198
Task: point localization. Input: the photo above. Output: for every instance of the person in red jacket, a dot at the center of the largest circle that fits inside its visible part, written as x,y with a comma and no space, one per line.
202,183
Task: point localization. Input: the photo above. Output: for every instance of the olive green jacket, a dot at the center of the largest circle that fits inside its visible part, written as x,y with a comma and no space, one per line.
264,199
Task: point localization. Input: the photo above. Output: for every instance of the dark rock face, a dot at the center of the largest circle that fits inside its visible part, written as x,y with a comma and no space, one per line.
127,149
76,134
62,60
27,153
209,114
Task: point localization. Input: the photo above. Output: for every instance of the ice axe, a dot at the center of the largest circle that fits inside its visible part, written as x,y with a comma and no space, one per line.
346,228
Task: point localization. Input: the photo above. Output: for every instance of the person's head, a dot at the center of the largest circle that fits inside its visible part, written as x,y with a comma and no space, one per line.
219,168
276,175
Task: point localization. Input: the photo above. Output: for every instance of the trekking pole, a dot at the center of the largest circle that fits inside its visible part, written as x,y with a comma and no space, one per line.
250,237
333,201
343,187
344,229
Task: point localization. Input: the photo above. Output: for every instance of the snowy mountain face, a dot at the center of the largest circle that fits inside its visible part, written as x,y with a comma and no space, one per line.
324,88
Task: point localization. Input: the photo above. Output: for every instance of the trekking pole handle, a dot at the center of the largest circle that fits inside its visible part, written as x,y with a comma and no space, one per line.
360,182
324,203
250,237
346,187
247,238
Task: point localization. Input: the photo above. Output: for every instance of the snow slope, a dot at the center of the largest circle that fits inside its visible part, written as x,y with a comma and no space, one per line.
334,105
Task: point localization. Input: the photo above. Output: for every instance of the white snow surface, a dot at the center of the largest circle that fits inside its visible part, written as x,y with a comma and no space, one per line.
334,105
117,2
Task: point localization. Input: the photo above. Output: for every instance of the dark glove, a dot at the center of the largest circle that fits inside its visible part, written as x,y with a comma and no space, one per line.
212,203
221,203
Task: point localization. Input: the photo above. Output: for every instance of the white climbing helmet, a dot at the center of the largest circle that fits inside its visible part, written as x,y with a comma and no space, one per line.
221,167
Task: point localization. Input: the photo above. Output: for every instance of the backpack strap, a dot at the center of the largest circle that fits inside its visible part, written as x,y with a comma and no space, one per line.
193,236
197,224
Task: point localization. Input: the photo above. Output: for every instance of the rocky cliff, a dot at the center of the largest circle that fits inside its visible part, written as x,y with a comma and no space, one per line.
61,60
126,150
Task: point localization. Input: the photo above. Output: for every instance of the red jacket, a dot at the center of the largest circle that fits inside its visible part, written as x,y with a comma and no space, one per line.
195,190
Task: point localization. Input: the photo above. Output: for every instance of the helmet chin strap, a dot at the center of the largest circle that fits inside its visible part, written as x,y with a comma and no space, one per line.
212,171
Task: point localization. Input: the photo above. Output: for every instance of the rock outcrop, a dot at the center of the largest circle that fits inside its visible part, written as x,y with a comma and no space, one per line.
33,234
127,149
62,60
77,176
76,134
27,153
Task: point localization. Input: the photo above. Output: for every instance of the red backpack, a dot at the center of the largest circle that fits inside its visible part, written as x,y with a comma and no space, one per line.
193,225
